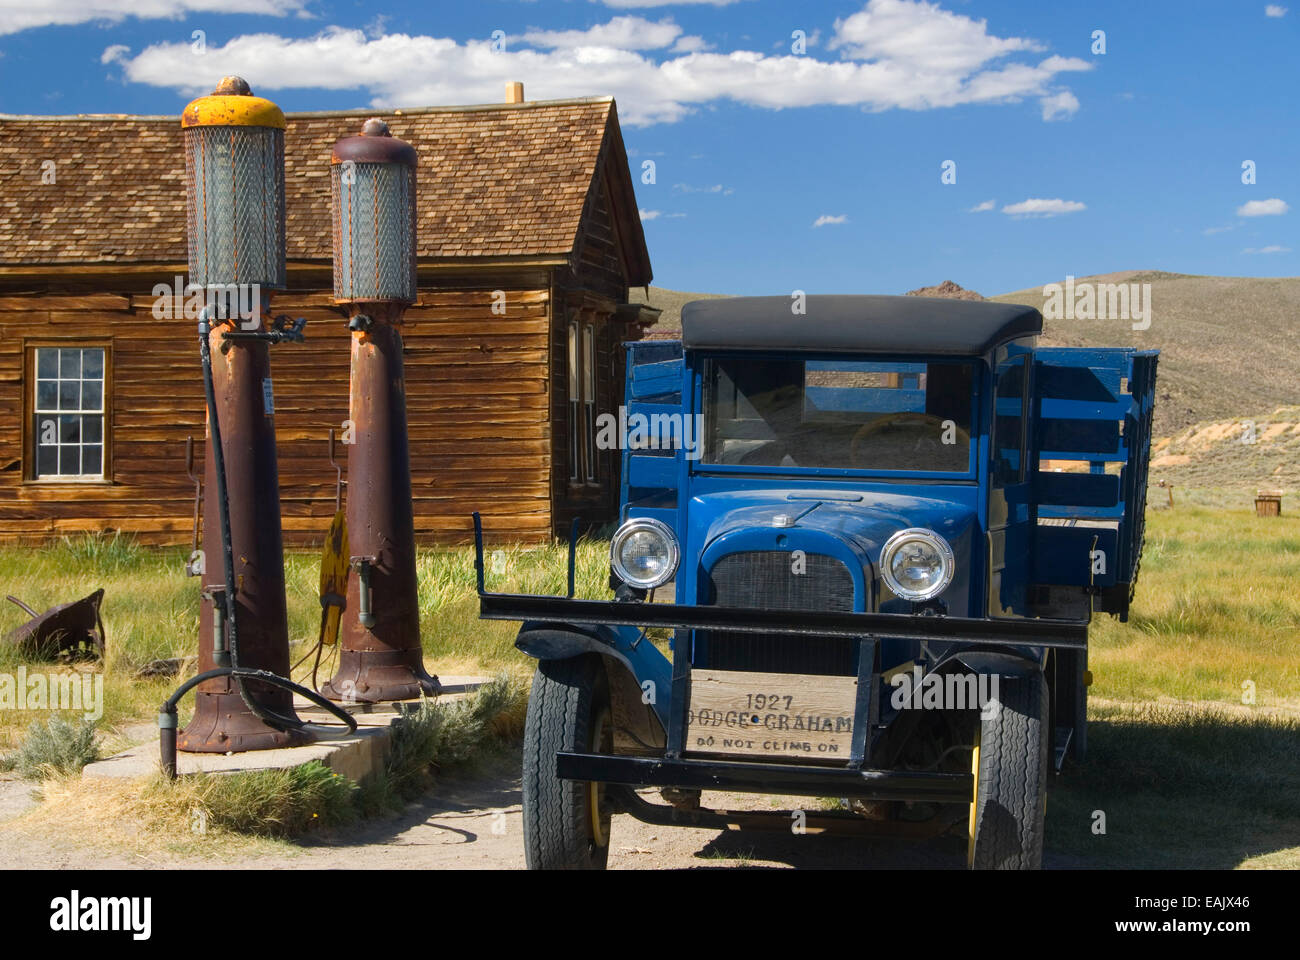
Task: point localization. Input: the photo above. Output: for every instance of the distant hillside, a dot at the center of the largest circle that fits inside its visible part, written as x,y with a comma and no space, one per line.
1255,452
1230,346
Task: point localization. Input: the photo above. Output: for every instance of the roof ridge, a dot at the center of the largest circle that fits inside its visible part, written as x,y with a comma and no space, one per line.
320,114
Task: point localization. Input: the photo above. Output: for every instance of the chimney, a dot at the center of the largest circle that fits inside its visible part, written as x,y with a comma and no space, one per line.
514,92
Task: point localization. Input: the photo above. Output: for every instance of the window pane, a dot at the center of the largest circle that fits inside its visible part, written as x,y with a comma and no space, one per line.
573,361
589,363
69,429
92,395
92,456
70,364
47,363
70,395
47,430
92,364
92,429
47,394
574,439
839,414
47,461
69,460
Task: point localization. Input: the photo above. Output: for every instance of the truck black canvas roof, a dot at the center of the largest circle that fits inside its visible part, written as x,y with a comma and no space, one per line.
869,324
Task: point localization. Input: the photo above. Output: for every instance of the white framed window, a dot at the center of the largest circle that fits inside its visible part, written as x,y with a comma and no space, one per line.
68,424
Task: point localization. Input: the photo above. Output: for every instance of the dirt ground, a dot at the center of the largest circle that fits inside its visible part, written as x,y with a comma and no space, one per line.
474,822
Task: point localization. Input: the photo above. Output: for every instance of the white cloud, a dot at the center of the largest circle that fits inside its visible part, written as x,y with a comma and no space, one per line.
1059,105
621,33
17,15
826,218
915,57
1275,10
921,33
1035,207
716,188
1271,248
117,51
1272,207
691,44
982,207
1211,231
650,214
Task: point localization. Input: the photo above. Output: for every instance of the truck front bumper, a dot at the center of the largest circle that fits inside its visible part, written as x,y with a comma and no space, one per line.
786,779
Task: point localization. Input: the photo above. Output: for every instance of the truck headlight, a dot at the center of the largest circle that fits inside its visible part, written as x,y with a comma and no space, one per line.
644,553
917,564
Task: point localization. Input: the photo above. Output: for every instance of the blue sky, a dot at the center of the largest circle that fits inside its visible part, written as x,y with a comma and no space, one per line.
1067,161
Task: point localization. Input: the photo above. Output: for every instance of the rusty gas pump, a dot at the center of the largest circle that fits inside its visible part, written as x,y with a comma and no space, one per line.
234,163
373,179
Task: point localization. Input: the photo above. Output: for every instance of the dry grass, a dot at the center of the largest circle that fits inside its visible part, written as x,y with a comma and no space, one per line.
1216,608
151,611
220,811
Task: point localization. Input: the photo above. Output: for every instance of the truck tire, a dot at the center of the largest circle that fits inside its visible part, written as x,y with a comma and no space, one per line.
566,822
1010,767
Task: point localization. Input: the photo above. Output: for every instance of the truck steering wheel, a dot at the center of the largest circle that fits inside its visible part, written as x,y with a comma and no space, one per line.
926,425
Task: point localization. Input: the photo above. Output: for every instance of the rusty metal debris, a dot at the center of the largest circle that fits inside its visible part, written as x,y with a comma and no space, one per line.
69,631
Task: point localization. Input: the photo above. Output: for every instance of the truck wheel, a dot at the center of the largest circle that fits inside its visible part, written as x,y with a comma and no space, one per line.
1009,764
566,822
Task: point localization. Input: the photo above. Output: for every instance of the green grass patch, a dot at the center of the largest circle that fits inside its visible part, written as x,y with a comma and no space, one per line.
151,612
1216,615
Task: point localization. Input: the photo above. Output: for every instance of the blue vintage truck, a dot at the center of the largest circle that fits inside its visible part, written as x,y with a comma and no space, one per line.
880,588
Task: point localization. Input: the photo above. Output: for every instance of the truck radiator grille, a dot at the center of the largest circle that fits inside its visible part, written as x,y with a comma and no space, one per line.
765,579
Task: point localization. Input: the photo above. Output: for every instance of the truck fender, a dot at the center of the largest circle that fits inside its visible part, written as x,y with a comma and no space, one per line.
560,641
1006,664
640,725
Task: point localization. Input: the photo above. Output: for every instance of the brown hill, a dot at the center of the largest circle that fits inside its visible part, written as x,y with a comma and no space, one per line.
946,290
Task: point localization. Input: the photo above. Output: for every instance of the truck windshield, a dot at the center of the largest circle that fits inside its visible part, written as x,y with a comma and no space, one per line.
844,414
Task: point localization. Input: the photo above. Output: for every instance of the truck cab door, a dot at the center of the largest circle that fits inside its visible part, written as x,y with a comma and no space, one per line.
1010,515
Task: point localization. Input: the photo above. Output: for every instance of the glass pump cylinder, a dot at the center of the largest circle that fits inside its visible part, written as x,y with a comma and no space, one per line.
234,171
373,181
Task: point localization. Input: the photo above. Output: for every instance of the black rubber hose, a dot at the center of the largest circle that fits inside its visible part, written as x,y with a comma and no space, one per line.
167,712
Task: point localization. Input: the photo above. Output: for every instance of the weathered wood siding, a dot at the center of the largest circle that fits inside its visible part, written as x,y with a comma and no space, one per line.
477,396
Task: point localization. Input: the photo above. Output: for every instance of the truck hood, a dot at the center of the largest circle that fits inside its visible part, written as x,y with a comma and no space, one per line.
856,523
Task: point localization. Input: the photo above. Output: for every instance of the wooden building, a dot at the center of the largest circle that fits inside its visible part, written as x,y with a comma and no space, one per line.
529,239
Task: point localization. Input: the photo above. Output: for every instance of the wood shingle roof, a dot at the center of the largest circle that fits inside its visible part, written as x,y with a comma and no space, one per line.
502,180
